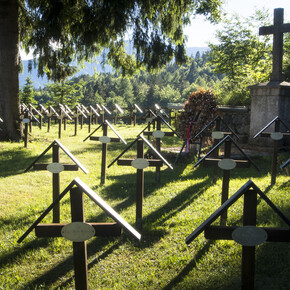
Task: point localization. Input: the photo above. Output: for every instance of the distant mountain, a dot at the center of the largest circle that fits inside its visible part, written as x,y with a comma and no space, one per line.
89,68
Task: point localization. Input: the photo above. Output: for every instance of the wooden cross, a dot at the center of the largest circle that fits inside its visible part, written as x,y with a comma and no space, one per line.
133,114
103,110
278,29
35,112
93,116
56,168
78,231
44,111
78,112
51,113
105,140
140,164
26,117
117,110
69,112
62,116
249,236
217,134
226,164
158,134
276,136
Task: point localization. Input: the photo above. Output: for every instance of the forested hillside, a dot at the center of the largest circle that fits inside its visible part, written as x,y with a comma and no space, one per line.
172,84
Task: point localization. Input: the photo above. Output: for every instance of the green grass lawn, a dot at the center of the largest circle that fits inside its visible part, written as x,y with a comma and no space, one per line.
172,209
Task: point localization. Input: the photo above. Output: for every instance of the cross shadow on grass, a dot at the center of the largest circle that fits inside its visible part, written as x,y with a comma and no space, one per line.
20,252
63,268
189,267
15,162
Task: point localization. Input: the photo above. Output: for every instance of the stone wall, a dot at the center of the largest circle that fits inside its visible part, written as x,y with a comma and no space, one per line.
238,119
268,101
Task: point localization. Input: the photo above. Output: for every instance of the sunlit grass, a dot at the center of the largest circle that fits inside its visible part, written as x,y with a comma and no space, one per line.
172,209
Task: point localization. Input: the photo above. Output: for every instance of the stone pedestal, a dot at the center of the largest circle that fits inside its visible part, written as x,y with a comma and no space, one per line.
269,100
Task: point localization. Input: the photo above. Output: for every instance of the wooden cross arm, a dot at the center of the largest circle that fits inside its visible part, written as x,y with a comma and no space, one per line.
113,139
208,134
67,167
101,229
152,162
150,133
214,161
225,233
266,30
268,134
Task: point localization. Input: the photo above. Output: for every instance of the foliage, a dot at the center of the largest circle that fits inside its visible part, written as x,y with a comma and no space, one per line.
58,31
27,92
242,56
66,92
199,109
171,84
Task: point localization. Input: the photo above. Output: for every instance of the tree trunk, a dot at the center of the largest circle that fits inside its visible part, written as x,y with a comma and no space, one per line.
9,84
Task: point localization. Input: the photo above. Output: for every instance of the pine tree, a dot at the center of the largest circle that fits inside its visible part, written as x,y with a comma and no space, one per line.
27,93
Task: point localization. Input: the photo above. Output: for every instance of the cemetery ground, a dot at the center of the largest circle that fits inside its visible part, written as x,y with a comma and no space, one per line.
172,209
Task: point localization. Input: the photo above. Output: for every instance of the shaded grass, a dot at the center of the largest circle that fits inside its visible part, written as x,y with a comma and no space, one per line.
172,209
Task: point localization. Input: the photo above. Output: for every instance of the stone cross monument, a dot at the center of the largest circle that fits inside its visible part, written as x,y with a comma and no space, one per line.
277,30
272,98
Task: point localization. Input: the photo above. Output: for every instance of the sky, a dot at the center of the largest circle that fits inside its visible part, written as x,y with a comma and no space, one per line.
201,31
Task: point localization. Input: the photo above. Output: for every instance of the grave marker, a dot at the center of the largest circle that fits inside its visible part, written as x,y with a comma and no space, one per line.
140,163
78,231
249,235
226,163
52,113
217,135
62,116
35,112
105,140
93,116
118,110
158,135
56,168
276,136
26,117
78,112
43,111
133,114
277,29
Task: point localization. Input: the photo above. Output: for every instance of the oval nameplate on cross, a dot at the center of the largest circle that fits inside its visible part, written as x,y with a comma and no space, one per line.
158,134
104,139
78,231
227,164
249,236
26,121
149,120
276,136
102,112
55,167
217,135
140,163
134,111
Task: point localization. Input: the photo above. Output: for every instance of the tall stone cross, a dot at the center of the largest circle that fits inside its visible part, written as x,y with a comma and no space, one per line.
277,30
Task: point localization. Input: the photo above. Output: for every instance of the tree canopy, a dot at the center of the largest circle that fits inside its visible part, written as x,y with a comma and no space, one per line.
59,31
242,56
